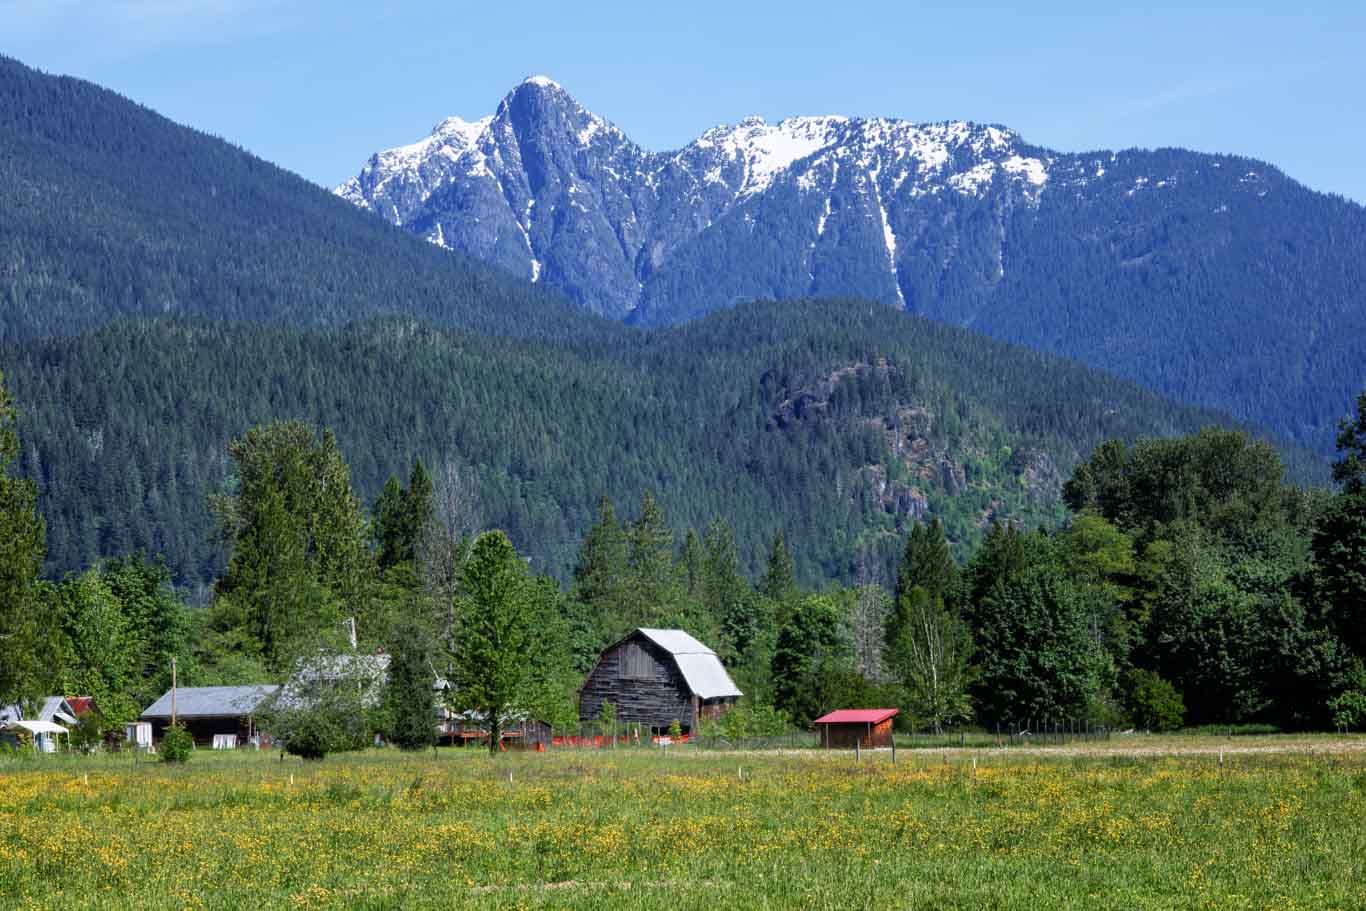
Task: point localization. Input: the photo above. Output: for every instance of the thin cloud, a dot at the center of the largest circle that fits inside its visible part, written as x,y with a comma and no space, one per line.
1184,92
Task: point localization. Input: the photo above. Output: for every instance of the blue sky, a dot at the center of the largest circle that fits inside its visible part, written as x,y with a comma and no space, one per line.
317,87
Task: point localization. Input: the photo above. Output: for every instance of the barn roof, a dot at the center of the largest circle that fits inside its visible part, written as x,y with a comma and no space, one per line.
213,701
701,668
857,716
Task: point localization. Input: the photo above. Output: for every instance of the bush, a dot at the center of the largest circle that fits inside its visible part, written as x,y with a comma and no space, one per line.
324,710
88,733
747,719
1349,710
176,744
313,733
1155,703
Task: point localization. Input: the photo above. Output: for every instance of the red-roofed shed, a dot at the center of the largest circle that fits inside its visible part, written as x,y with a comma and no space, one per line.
864,727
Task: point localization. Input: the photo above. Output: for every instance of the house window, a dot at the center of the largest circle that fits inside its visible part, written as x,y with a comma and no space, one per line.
636,663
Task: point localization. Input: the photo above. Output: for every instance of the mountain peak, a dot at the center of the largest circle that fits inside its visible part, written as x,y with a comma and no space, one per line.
544,82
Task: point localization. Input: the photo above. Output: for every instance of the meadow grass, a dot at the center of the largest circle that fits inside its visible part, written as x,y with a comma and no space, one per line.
1273,829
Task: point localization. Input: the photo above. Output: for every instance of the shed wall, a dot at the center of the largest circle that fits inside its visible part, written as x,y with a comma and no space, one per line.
204,729
844,736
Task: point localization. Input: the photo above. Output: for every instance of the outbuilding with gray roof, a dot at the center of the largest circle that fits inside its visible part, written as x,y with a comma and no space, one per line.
214,715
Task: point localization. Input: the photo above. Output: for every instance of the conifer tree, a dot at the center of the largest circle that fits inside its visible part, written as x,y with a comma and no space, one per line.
927,562
1339,541
387,527
409,694
779,583
25,644
600,576
652,587
492,668
298,561
419,507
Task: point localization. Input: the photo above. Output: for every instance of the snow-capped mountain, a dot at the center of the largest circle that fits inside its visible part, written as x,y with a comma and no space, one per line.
555,193
1152,264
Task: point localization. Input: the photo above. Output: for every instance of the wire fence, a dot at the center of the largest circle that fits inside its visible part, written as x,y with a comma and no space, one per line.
590,736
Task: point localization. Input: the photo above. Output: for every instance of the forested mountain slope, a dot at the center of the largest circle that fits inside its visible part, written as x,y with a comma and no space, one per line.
108,209
840,421
1211,278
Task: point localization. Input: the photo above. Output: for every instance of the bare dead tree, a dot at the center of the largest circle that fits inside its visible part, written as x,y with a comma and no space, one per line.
445,542
868,622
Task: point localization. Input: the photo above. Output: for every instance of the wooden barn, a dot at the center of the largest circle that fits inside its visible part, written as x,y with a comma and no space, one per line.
864,727
216,716
656,677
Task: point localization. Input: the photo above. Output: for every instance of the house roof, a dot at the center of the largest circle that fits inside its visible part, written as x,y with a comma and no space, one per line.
701,668
52,707
81,704
212,701
857,716
369,672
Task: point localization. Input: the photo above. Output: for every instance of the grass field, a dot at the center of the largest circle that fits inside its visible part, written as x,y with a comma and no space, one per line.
1281,824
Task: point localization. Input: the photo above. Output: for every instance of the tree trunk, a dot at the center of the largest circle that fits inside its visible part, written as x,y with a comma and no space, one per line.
495,732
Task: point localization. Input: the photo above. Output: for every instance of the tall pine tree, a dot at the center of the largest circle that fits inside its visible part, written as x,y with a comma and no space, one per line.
26,648
492,669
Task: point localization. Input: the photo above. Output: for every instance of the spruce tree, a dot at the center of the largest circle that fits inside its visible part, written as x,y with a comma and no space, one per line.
419,510
388,524
600,578
298,564
779,583
409,694
25,643
652,586
927,562
492,670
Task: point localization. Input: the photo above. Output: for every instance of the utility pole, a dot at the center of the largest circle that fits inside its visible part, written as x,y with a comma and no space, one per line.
173,687
351,628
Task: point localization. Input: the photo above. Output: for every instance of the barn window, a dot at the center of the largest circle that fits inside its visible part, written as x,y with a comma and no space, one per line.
636,663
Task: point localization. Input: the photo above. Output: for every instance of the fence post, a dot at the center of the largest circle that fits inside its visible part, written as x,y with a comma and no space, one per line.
858,758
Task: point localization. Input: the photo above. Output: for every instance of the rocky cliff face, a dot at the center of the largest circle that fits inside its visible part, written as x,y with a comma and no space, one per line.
918,461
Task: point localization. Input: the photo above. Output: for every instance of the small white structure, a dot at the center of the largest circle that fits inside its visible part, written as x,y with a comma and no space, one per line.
139,735
225,741
45,734
44,727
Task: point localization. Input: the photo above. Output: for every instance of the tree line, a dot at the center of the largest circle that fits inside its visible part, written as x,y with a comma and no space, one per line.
1190,585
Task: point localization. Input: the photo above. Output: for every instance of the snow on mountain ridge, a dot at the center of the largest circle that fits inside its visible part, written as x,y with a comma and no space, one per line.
549,189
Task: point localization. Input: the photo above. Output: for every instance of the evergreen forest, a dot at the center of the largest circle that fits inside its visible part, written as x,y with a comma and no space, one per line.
843,423
1187,585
